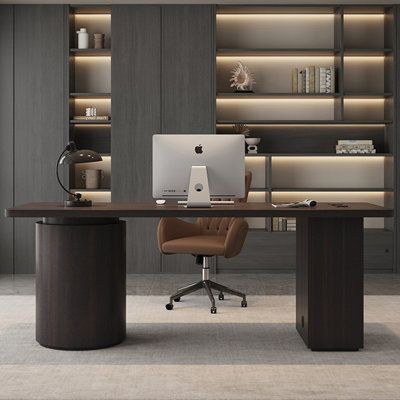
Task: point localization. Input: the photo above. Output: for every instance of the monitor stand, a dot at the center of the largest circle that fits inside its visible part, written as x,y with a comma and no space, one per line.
199,191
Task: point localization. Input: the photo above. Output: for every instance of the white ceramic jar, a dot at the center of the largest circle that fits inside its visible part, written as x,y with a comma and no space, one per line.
83,38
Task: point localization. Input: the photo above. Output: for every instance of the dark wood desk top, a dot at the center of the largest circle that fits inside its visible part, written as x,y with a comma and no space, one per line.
135,210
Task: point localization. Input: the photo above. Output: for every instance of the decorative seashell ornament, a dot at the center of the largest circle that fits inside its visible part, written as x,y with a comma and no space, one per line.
242,79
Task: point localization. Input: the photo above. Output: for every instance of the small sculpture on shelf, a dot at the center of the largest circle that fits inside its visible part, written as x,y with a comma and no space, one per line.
251,142
99,40
242,79
92,178
83,38
243,129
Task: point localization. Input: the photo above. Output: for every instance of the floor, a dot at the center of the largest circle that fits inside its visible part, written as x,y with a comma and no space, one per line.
187,353
254,284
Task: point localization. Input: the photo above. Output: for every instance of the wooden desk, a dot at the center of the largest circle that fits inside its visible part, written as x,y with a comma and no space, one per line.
81,270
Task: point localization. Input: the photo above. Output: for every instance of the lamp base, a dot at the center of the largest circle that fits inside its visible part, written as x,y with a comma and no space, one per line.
78,203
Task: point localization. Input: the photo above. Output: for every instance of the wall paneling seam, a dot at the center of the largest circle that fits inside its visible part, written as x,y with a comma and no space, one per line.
395,43
13,136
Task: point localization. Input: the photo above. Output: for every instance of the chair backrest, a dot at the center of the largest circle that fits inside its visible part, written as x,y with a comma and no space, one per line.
220,225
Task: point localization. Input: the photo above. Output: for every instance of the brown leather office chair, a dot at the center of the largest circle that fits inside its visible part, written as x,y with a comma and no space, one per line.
205,238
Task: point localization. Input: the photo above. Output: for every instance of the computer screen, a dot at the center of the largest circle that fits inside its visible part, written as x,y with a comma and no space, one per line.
174,157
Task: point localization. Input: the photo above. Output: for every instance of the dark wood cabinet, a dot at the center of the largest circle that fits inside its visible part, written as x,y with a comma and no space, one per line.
6,136
135,84
41,113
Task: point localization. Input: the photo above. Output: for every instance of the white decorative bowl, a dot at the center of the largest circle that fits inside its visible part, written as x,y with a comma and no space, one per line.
253,141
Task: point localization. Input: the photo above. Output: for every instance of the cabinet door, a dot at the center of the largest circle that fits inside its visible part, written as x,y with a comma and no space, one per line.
41,114
188,84
135,89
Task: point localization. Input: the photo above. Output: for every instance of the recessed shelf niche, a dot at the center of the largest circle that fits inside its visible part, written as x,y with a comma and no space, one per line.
90,86
299,132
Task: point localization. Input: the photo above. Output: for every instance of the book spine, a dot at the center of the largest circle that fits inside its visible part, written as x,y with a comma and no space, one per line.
328,81
300,82
333,79
308,80
322,80
312,79
295,73
284,225
317,74
355,141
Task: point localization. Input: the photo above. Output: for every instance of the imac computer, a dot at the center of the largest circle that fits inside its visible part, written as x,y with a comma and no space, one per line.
198,167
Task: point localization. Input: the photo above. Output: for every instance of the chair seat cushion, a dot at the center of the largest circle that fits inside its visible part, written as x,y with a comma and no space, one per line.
205,245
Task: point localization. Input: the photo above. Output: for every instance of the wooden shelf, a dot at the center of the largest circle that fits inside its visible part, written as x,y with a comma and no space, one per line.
278,52
91,52
91,95
90,190
320,190
367,52
303,122
367,94
238,95
317,155
87,122
272,9
330,190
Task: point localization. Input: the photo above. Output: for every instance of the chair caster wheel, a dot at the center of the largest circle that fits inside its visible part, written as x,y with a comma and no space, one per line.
221,296
244,303
177,299
169,306
213,310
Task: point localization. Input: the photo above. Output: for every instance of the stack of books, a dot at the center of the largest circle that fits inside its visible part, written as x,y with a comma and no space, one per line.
283,224
313,80
355,147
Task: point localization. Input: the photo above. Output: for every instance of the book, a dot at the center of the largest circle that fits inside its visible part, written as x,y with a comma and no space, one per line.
300,81
312,79
296,204
304,84
333,79
322,80
94,118
295,73
355,146
307,80
317,77
355,141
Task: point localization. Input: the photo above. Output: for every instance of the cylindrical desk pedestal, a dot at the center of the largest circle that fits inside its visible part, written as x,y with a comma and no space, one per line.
80,283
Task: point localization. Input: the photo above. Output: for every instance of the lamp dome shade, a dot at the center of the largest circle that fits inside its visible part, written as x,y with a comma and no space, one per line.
80,156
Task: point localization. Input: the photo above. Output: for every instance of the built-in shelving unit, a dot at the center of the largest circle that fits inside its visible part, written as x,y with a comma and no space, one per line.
299,132
90,86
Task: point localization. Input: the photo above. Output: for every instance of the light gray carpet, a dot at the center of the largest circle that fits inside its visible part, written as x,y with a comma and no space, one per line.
187,353
254,284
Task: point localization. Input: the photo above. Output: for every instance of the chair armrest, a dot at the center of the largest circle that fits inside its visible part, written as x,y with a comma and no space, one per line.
235,237
173,228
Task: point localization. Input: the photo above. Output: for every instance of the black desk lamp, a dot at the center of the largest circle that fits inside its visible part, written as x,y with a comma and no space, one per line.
71,155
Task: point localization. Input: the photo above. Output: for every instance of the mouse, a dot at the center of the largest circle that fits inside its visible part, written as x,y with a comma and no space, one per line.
160,202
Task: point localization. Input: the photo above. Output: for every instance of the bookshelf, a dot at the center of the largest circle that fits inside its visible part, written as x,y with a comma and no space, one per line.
90,86
299,132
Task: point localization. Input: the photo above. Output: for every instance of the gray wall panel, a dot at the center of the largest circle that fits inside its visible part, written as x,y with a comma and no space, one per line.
188,84
136,117
188,65
40,114
6,136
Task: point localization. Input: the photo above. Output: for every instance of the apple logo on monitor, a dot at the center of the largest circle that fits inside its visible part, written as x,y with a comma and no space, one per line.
198,149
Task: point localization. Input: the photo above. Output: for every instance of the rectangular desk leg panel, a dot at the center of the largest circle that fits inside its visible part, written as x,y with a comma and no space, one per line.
329,283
